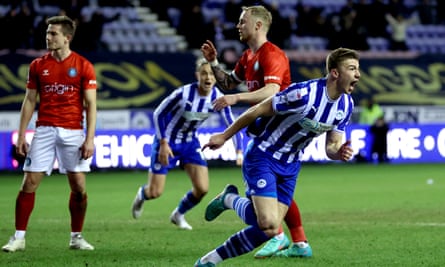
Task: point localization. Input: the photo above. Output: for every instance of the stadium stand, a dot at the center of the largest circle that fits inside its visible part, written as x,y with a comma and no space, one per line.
130,26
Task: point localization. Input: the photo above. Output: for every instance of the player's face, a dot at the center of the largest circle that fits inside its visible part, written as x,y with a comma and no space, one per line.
55,39
349,75
245,26
206,79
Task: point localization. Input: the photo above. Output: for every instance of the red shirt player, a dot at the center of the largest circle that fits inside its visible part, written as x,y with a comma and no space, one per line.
65,83
265,69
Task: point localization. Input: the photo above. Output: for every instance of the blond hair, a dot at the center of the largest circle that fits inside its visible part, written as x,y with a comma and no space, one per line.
261,13
199,62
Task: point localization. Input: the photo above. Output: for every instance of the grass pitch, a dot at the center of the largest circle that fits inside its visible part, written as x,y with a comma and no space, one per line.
354,215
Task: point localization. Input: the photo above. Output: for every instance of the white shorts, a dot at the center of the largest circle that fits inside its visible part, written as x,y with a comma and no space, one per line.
51,143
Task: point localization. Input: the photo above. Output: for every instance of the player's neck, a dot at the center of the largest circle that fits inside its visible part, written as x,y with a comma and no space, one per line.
61,54
255,45
331,88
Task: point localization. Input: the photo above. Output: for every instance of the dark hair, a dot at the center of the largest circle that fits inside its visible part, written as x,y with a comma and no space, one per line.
339,55
68,25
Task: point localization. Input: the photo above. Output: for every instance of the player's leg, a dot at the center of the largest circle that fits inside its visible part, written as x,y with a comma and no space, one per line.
270,214
154,187
24,205
300,247
281,241
77,205
194,163
261,210
71,163
39,160
151,190
200,185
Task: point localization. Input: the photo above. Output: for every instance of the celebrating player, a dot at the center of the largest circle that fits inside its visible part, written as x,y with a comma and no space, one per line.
288,122
177,120
265,69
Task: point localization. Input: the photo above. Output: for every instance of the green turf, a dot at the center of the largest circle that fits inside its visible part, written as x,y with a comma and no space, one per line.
354,215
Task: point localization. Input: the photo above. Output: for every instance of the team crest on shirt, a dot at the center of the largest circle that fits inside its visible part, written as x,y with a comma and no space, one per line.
261,183
256,66
340,115
157,166
72,72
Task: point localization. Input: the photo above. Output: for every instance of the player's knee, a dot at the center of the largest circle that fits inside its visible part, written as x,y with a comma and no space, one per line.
269,226
29,185
270,232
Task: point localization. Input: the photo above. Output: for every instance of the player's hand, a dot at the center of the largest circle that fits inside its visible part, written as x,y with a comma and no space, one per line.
209,51
216,141
87,149
21,147
346,151
164,153
224,101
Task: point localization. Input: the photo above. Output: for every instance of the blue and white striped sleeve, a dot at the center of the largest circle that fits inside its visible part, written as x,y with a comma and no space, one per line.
162,112
228,118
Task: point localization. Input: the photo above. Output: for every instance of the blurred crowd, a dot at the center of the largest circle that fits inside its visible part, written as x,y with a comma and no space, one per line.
23,24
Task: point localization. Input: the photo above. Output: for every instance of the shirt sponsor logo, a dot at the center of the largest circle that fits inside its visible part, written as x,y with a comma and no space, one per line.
195,116
315,126
57,88
252,85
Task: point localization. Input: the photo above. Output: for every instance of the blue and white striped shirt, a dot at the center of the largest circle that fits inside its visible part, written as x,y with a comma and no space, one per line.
179,116
303,112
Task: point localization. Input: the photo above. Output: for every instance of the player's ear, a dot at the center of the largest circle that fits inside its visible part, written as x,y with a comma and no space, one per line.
334,73
69,37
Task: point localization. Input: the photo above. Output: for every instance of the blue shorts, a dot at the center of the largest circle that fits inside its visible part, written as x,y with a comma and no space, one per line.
183,153
268,177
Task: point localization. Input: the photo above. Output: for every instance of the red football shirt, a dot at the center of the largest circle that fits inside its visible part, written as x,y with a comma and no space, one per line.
61,86
268,65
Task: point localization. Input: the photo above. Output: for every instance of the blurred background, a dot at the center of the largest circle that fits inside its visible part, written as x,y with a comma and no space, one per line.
142,50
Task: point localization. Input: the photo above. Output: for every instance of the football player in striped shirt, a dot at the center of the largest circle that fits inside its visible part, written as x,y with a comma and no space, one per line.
289,121
265,70
177,120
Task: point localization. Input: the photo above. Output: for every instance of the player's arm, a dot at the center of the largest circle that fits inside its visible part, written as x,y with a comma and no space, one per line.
260,110
27,109
91,117
160,116
248,97
259,95
335,148
223,78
